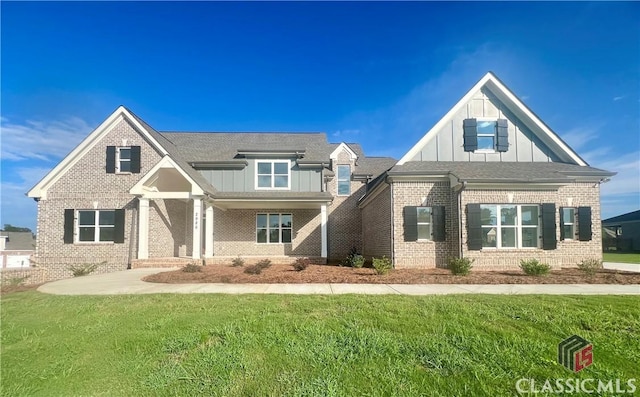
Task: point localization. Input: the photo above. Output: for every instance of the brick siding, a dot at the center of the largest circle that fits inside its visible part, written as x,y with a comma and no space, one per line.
376,226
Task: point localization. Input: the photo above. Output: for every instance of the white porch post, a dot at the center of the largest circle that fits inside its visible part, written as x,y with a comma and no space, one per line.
197,234
323,230
208,239
143,228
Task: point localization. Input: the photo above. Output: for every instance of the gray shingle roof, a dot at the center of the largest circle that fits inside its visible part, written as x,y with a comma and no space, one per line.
373,166
500,171
628,217
19,241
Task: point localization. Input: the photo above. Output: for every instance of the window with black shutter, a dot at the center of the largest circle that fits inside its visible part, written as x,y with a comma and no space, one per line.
584,223
549,241
470,135
410,223
123,160
439,220
69,219
474,227
111,160
486,136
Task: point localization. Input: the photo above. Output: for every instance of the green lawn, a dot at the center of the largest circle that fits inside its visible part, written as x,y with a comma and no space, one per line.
255,345
621,258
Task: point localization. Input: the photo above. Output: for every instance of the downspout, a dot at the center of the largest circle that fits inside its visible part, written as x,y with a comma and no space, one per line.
460,251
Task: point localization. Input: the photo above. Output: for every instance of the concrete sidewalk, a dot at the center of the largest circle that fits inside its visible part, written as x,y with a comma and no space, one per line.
129,282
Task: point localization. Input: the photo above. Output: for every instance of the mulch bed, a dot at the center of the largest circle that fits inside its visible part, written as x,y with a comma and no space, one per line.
280,274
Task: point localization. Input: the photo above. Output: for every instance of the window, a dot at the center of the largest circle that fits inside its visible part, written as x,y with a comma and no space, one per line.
568,223
96,225
273,228
273,174
509,226
344,180
424,223
124,159
486,135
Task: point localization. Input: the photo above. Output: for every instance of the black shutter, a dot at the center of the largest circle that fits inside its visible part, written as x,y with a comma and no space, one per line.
135,159
549,241
118,232
503,136
438,219
410,223
584,223
69,216
562,236
470,127
474,227
111,160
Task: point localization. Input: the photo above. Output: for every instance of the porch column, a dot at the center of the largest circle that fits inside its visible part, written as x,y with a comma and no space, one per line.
323,230
197,233
208,230
143,228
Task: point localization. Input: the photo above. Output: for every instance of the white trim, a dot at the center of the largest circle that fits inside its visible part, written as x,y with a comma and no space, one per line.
269,228
40,189
120,160
323,231
518,227
338,180
196,252
490,78
208,230
341,147
96,226
273,175
166,162
143,228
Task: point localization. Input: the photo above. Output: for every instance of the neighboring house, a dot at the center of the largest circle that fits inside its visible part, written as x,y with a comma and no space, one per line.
622,232
16,249
490,181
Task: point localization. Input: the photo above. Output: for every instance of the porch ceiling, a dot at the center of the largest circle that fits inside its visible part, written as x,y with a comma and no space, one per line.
271,200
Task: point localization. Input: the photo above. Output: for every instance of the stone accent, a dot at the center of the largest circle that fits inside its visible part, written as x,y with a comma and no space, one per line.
376,226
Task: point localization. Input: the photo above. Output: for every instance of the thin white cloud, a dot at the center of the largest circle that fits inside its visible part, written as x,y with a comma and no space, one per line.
15,207
627,181
579,138
617,98
41,140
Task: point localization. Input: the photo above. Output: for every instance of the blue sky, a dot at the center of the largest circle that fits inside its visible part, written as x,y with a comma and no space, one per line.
377,73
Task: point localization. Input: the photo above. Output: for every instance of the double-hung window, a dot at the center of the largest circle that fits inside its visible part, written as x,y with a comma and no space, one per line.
486,135
568,223
424,223
344,180
273,174
123,159
509,226
274,228
96,225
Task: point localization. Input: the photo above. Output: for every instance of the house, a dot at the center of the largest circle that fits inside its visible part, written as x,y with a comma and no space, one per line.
16,249
622,233
489,181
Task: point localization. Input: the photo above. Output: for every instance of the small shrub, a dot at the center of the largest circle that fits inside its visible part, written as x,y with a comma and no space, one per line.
192,268
84,269
264,264
253,269
534,267
237,262
460,266
382,265
15,281
301,263
590,266
354,259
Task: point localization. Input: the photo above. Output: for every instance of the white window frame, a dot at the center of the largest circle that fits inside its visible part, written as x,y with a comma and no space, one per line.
573,224
96,225
280,228
273,174
518,226
338,180
119,160
494,136
429,223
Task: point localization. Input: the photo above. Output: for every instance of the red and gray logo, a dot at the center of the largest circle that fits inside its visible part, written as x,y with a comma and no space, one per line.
575,353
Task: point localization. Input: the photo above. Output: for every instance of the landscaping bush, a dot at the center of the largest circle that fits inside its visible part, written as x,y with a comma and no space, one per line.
237,262
258,267
590,266
533,267
301,263
382,265
460,266
263,264
354,259
192,268
84,269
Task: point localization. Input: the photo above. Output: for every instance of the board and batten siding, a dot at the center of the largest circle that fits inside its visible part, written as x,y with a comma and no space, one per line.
448,143
243,180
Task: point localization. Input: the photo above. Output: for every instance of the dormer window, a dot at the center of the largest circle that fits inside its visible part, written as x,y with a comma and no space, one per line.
273,174
485,135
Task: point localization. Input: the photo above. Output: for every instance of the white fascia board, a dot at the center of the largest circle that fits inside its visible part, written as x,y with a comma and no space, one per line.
447,117
40,189
165,162
341,147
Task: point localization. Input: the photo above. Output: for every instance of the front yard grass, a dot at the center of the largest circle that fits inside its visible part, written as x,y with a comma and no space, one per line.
621,258
255,345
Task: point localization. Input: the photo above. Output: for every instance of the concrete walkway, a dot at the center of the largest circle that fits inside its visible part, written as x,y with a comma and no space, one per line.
129,282
627,267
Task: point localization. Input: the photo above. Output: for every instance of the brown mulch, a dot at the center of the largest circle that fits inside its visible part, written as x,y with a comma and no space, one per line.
280,274
8,289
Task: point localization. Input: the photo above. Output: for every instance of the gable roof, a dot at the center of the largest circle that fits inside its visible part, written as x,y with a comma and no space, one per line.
19,241
632,216
516,106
